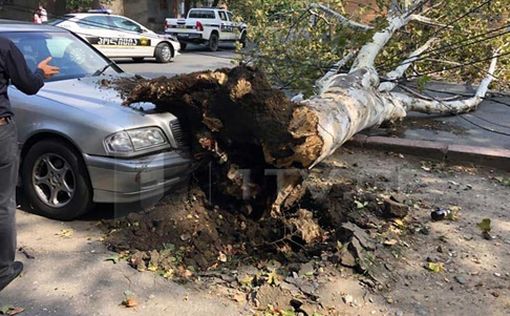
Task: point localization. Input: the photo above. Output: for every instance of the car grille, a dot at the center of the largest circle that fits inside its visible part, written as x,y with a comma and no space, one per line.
178,134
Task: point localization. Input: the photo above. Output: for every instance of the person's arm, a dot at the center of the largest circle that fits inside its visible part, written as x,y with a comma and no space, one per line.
21,76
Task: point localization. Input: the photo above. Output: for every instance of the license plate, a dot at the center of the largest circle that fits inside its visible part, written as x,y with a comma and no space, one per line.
181,26
183,35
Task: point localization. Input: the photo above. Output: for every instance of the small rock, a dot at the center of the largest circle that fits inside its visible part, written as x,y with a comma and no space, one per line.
495,294
347,259
348,299
389,300
306,269
368,282
498,275
421,311
460,279
399,313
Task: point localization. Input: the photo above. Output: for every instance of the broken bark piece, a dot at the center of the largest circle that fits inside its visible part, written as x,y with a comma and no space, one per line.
351,231
359,253
306,226
394,209
347,259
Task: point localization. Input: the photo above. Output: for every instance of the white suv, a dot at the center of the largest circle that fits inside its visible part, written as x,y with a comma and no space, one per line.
207,26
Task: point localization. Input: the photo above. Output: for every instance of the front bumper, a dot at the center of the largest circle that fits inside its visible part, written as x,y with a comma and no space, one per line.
116,180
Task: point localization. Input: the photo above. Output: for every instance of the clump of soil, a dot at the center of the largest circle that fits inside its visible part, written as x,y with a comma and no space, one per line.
186,234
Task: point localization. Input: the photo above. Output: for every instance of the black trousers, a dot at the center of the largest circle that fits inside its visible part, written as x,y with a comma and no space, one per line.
8,179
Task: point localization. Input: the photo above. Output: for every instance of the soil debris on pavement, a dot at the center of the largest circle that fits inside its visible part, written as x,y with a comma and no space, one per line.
187,237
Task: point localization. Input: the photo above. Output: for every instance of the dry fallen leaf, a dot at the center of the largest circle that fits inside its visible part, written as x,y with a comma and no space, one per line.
130,303
222,257
65,233
11,310
391,242
435,267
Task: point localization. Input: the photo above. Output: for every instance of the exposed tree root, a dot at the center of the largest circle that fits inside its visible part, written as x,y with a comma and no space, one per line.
235,118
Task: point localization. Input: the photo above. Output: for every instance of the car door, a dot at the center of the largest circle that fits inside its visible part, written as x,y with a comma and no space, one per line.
227,29
235,25
97,30
133,38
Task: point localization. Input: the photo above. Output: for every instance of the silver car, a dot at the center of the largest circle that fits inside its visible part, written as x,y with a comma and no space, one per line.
79,145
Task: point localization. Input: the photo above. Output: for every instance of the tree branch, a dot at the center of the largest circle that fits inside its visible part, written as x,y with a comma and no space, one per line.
400,70
369,52
452,107
324,81
425,20
343,20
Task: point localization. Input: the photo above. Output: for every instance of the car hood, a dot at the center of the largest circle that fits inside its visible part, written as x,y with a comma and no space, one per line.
96,95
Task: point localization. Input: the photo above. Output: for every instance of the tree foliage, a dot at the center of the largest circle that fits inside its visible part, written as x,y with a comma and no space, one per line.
296,45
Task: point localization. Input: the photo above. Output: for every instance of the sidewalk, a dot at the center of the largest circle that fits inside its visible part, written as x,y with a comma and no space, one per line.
449,138
68,274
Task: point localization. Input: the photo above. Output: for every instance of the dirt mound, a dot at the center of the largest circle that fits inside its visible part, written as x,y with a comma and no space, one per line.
185,234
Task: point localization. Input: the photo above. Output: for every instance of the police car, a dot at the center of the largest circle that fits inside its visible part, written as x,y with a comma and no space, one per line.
119,37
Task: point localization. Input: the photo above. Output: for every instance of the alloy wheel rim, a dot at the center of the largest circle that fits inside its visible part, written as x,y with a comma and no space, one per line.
166,53
53,180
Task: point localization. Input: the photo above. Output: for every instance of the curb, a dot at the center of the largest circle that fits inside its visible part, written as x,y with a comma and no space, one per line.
491,157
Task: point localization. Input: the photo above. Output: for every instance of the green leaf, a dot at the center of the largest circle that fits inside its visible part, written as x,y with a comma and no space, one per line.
360,205
435,267
485,225
5,309
115,259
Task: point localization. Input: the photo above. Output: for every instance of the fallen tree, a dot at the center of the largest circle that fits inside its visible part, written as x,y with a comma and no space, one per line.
249,128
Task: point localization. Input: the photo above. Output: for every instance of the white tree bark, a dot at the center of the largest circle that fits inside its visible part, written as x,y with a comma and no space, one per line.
400,70
342,19
349,103
325,80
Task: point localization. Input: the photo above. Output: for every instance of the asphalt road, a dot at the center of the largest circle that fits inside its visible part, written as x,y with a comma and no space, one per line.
194,58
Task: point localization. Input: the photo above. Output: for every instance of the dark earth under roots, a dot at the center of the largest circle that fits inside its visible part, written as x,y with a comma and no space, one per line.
186,234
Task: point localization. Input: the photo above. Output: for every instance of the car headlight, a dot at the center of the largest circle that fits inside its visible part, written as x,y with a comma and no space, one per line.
135,140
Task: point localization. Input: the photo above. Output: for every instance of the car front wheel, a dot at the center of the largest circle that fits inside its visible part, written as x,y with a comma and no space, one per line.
55,181
163,53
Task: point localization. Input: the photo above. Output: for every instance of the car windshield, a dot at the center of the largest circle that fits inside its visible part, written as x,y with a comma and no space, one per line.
74,58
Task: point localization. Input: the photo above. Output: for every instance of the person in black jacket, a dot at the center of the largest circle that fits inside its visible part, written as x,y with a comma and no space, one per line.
13,69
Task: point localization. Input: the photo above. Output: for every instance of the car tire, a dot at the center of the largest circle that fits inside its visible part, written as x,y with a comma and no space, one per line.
164,53
52,166
183,45
213,42
138,59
